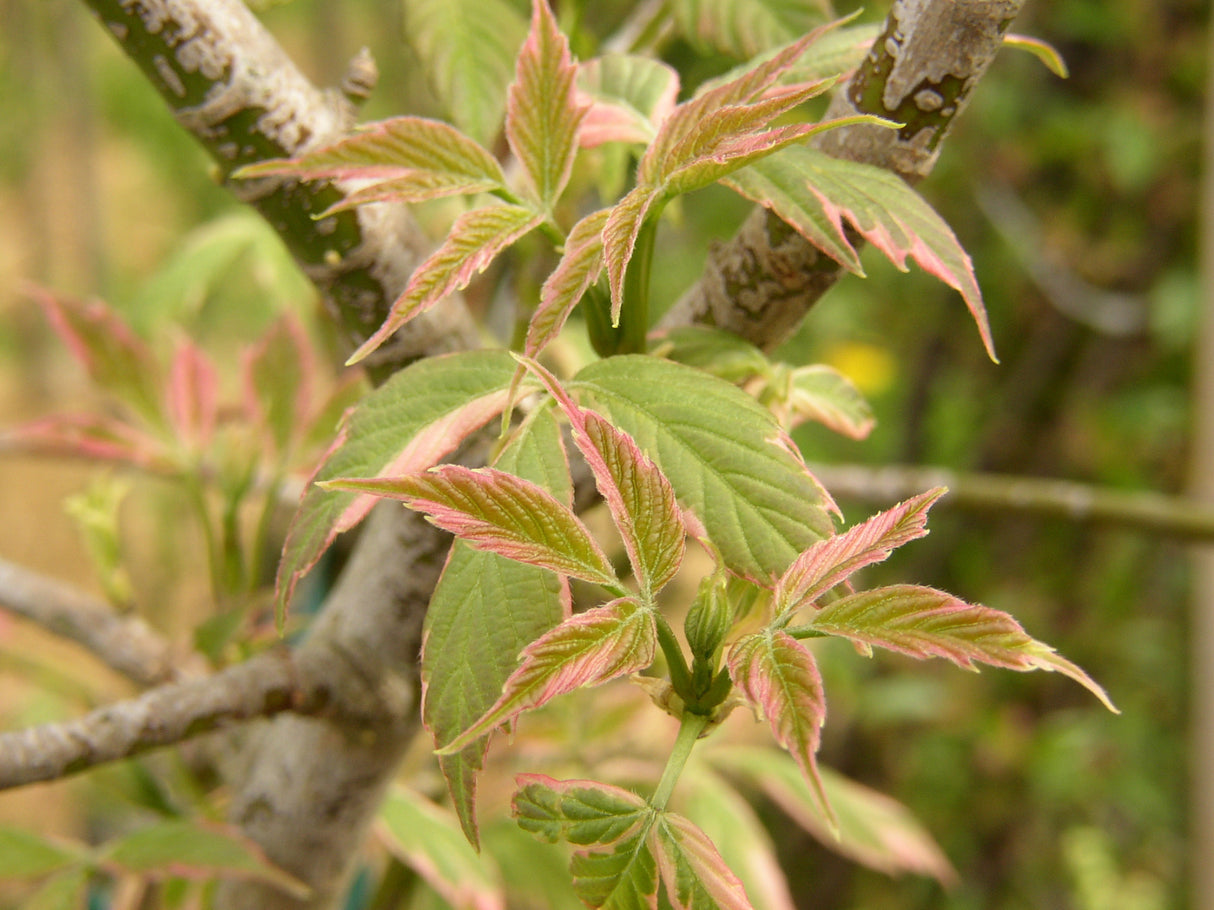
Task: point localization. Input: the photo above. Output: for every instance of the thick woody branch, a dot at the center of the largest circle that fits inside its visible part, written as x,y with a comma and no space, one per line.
920,72
231,85
125,643
1173,516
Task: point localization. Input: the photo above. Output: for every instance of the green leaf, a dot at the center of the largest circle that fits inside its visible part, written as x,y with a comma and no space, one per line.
725,456
822,393
622,878
410,159
542,115
580,812
745,28
467,49
778,677
923,622
814,193
474,629
24,854
278,374
735,829
693,873
415,418
588,649
639,497
720,353
428,840
580,266
496,511
188,849
474,241
629,97
838,51
872,829
65,891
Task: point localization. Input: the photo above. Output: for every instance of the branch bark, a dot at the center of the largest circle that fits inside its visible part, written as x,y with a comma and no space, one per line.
921,72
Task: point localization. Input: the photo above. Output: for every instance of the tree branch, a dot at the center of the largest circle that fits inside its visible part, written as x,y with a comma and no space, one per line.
921,71
125,643
1173,516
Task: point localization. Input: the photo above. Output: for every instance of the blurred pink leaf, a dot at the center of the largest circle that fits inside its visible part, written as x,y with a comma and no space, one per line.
192,395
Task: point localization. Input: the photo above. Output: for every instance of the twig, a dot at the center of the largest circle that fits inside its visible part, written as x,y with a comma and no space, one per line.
125,643
1174,516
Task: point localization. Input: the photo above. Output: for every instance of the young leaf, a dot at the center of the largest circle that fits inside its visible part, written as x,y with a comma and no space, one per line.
822,393
473,242
872,829
733,826
116,360
693,873
500,513
580,266
923,622
1042,50
192,395
24,854
779,678
837,52
814,192
474,630
411,159
427,840
720,353
640,499
830,562
581,812
277,377
96,437
745,28
468,49
627,97
191,849
589,649
542,114
741,477
408,424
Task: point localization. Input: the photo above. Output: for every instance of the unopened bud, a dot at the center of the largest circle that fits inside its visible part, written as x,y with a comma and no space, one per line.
709,618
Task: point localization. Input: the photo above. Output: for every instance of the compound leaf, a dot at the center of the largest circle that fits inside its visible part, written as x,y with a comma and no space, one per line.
588,649
741,477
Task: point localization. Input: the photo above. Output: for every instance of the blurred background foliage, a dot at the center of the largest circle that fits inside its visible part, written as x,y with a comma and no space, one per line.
1076,200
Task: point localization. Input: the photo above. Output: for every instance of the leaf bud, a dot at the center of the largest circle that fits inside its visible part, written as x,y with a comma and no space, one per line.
709,618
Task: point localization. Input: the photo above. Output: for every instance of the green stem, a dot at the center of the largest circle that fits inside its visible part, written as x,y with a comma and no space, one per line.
634,314
690,729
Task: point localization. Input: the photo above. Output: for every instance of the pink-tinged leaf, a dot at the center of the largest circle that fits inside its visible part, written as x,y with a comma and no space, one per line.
640,498
923,622
579,812
95,437
408,424
192,395
542,114
688,118
116,360
414,158
475,240
778,677
588,649
835,54
620,233
1042,50
580,266
872,829
500,513
822,393
428,840
278,382
474,631
627,96
831,561
815,193
693,873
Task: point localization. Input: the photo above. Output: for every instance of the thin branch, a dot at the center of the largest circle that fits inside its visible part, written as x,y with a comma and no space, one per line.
125,643
1172,516
921,71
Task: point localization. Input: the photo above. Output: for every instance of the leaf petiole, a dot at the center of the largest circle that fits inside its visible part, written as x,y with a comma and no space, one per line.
690,728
